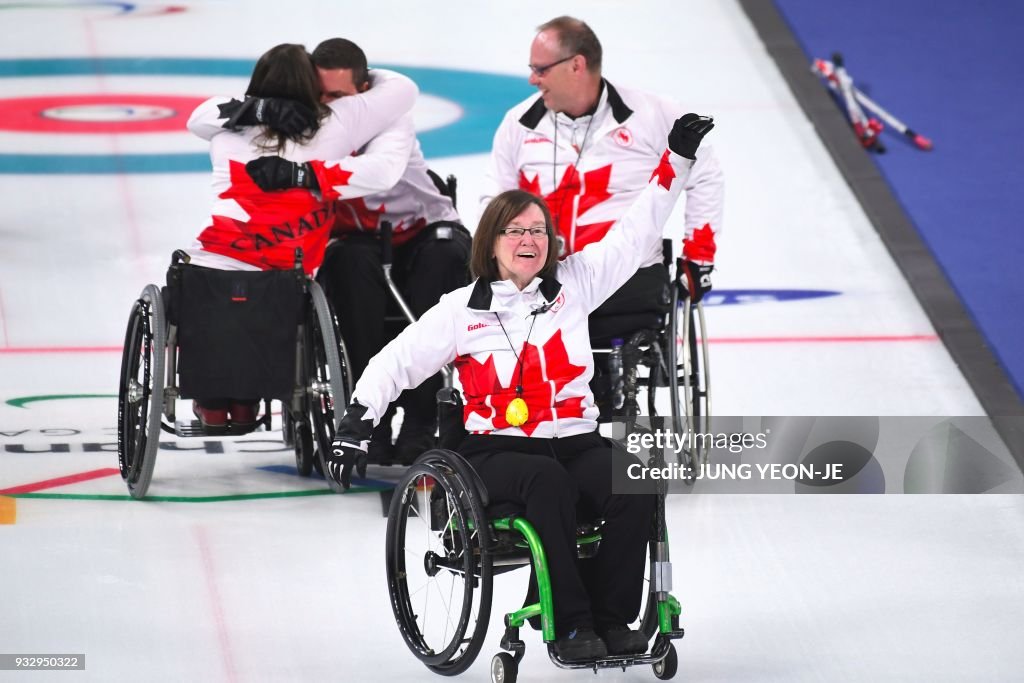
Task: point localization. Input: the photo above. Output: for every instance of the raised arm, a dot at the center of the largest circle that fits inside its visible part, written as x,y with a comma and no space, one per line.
602,267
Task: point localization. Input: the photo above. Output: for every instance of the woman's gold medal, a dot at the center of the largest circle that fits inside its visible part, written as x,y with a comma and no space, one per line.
517,412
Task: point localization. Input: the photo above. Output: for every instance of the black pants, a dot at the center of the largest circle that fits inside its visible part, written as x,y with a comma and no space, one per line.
425,267
639,304
554,479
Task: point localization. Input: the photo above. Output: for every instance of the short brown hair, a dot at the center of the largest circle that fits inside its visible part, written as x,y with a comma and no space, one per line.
340,53
502,210
576,38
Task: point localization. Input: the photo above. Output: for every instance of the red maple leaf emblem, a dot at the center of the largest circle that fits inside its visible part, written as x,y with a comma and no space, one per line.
664,172
561,200
330,177
277,224
487,396
266,207
700,247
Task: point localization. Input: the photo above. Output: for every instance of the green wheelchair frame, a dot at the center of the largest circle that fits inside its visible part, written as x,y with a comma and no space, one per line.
465,546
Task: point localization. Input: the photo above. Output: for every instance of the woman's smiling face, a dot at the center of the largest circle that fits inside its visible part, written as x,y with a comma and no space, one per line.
521,258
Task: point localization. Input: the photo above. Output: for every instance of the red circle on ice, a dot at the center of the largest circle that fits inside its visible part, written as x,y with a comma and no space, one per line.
113,113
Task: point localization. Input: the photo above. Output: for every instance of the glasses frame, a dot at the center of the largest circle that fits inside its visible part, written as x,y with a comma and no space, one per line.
505,232
539,71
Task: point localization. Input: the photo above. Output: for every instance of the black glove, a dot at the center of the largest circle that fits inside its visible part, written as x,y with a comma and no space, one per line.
698,280
275,173
353,432
288,117
687,132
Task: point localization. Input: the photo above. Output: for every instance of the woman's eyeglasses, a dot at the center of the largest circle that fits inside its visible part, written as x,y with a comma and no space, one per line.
535,233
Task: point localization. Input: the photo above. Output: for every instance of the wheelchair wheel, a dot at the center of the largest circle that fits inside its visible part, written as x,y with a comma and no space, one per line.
438,567
328,381
647,623
287,427
140,399
302,436
689,384
504,668
666,668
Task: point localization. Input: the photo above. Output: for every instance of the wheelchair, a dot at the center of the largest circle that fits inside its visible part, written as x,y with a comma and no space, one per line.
672,350
445,544
169,331
398,314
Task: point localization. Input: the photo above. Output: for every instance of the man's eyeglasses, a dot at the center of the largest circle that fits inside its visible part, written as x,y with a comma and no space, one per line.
515,233
541,70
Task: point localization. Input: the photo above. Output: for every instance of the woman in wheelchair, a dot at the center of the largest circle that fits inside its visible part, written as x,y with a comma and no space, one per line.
273,194
518,337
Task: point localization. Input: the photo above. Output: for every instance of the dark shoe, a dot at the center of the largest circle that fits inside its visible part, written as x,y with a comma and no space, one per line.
213,420
580,644
623,641
413,441
243,414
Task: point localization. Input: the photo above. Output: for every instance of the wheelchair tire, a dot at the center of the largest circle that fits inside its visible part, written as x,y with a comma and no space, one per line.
287,427
648,620
687,386
504,668
140,399
666,668
329,384
438,567
303,448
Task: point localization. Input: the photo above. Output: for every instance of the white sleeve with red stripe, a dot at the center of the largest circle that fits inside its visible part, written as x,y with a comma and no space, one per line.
705,194
705,199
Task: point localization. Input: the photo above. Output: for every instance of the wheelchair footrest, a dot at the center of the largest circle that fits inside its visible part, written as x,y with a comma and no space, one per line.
659,650
195,428
189,428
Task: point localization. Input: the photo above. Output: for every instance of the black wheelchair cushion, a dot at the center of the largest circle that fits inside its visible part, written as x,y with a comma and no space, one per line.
237,331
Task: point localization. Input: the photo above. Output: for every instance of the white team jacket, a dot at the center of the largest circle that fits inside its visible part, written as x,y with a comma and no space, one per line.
469,326
600,165
240,207
411,204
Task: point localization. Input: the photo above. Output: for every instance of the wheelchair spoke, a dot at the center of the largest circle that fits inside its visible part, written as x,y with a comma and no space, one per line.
434,574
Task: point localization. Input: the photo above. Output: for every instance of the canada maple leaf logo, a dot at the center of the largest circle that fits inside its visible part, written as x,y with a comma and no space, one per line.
546,371
266,207
335,176
561,203
664,172
700,247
